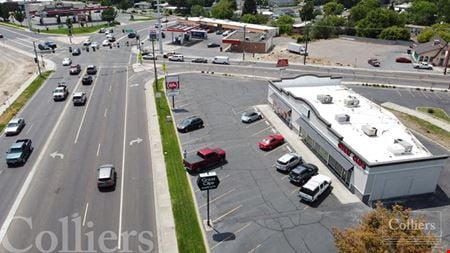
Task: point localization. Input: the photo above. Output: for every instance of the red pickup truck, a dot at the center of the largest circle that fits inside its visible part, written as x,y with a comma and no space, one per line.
204,158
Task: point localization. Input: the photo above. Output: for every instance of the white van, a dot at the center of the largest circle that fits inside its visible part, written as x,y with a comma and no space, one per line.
221,60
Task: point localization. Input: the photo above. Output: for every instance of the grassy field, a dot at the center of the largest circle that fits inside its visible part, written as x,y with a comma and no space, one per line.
189,235
22,99
435,112
75,30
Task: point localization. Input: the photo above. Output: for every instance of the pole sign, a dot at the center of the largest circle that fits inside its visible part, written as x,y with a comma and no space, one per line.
172,85
152,34
208,181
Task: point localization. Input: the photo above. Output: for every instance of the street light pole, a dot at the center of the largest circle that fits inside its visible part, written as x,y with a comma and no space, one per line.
154,61
36,59
243,46
158,9
306,47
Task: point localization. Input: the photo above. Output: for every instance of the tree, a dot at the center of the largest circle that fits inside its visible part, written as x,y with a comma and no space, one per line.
361,10
249,7
394,33
306,12
254,19
105,3
109,15
333,8
284,23
378,19
397,225
441,30
328,27
422,12
222,10
7,8
198,10
443,10
262,2
125,4
19,16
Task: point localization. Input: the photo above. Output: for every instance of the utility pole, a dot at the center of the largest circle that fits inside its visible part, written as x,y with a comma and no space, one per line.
36,59
243,46
158,9
306,47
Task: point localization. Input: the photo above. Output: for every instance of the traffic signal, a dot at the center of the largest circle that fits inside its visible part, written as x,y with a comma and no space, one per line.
87,49
70,49
35,60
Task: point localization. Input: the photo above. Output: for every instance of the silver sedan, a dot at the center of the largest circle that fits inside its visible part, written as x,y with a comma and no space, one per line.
249,117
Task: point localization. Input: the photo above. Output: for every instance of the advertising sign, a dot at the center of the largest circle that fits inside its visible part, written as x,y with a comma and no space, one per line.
282,63
208,181
172,85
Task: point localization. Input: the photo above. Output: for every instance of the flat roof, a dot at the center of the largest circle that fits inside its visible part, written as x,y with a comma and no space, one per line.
231,23
373,149
251,36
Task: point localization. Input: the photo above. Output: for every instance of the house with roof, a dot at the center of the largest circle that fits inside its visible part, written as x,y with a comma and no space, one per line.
433,51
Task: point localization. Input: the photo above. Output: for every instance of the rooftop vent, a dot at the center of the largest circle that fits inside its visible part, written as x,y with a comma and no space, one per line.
369,130
351,101
325,99
342,118
406,145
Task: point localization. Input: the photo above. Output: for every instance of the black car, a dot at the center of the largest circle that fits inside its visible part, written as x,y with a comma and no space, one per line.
112,39
43,47
1,36
76,51
190,124
302,173
211,45
132,35
106,176
50,44
87,80
19,152
91,70
200,60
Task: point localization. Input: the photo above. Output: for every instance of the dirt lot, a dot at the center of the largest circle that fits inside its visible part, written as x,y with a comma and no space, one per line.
15,69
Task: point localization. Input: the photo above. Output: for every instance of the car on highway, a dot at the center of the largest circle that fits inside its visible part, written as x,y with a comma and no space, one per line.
403,60
200,60
47,45
204,158
14,126
1,36
423,65
219,32
95,45
287,162
43,47
91,70
212,45
226,33
168,54
302,173
106,176
131,35
271,142
149,57
87,80
87,42
79,98
75,69
112,39
76,51
221,60
177,57
106,43
19,152
190,124
249,117
102,30
374,62
314,188
60,93
66,61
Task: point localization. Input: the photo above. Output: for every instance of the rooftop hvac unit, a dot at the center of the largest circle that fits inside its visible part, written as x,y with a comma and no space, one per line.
396,149
342,118
325,99
369,130
351,101
406,145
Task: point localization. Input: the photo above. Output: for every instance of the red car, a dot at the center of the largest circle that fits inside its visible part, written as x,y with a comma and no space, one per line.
403,60
271,142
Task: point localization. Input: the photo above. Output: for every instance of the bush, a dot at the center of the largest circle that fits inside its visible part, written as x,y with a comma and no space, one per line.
430,110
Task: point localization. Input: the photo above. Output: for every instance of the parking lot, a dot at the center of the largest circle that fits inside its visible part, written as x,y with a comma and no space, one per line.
252,198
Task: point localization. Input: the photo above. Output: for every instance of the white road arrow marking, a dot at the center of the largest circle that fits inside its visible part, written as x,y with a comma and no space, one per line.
56,154
134,85
138,140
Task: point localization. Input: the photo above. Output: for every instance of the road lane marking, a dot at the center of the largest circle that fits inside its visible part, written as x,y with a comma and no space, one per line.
261,131
106,111
218,197
400,94
412,93
255,248
231,235
267,123
227,213
98,149
29,129
87,107
26,184
110,87
85,213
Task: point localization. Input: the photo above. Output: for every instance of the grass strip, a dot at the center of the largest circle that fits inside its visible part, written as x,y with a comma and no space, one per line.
189,235
10,24
15,107
435,112
75,30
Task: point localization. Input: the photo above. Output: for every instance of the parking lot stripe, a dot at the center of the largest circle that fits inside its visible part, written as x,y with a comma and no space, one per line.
85,213
194,139
274,131
227,213
425,95
399,93
284,177
265,129
218,197
98,149
294,191
231,235
267,122
29,129
255,248
412,93
253,124
183,105
269,152
106,111
289,148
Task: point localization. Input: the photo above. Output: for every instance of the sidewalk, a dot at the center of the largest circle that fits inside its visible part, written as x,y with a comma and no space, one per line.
439,123
165,223
339,190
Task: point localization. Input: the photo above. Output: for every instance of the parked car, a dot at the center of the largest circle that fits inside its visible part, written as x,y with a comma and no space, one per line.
76,51
204,158
219,32
19,152
149,57
177,57
302,173
221,60
212,45
374,62
190,124
287,162
79,98
403,60
315,187
106,176
249,117
14,126
91,70
75,69
87,80
200,60
66,62
271,142
423,65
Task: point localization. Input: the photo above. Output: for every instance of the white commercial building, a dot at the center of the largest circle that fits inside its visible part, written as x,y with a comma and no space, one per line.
363,144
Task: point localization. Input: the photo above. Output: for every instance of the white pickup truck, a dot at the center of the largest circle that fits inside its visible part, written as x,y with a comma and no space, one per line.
60,93
315,187
423,65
